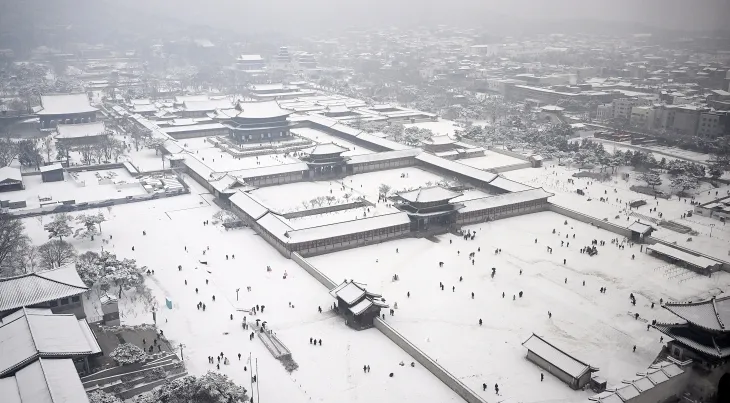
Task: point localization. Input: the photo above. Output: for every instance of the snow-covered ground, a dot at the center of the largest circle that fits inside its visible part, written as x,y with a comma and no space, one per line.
491,160
330,373
220,161
441,127
597,328
553,178
338,216
294,196
398,179
69,189
321,137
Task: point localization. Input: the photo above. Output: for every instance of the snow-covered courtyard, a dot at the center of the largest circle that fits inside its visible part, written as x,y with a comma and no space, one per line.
491,160
597,328
175,235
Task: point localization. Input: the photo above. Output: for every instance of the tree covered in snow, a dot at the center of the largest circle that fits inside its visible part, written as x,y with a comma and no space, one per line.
99,396
59,227
685,182
383,189
55,253
127,353
105,271
414,135
651,178
89,223
209,388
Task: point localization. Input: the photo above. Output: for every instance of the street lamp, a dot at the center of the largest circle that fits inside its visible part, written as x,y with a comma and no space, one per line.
711,227
181,352
237,290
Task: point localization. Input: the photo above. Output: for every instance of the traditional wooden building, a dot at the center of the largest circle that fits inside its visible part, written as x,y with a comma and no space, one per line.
65,108
74,135
428,207
362,163
358,306
256,122
503,205
52,173
703,335
59,289
562,365
11,179
29,334
326,161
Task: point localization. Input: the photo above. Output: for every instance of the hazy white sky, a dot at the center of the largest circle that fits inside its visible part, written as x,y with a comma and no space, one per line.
288,15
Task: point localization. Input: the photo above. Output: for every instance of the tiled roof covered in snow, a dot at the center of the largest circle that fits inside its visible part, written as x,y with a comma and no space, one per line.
712,314
348,227
10,174
697,261
248,205
428,195
504,200
327,148
31,333
74,131
384,156
44,381
556,357
61,104
260,110
39,287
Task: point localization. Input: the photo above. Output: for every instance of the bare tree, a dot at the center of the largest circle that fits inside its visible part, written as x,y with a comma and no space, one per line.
47,147
8,151
13,242
56,253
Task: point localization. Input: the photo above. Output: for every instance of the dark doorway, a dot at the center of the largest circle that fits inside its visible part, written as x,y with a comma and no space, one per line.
723,388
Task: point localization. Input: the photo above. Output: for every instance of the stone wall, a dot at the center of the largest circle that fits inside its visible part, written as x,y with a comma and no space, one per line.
432,366
617,229
318,275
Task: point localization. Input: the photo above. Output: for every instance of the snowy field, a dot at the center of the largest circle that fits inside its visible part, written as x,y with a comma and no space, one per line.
293,196
339,216
330,373
298,196
553,178
401,179
441,127
597,328
220,161
321,137
491,160
68,189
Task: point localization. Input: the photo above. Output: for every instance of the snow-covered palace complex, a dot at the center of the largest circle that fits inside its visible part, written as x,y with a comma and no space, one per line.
324,194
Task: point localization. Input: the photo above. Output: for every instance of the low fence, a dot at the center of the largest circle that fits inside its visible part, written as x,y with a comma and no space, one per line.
432,366
327,209
318,275
623,231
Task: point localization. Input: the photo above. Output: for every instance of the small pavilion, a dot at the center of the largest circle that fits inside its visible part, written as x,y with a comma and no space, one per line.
439,144
326,160
359,306
428,206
